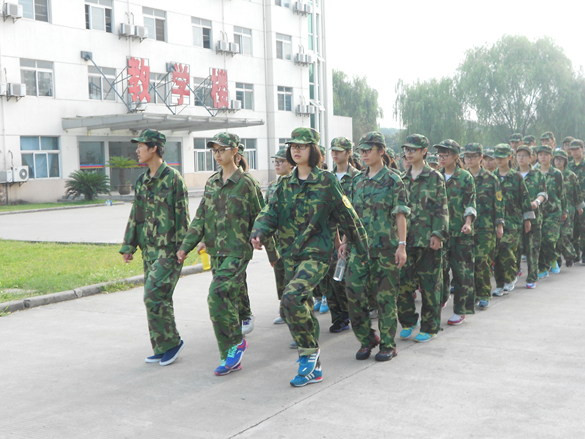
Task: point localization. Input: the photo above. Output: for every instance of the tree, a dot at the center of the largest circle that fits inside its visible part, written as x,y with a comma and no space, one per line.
356,99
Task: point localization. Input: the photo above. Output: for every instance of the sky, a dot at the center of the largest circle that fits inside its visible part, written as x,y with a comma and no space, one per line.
388,40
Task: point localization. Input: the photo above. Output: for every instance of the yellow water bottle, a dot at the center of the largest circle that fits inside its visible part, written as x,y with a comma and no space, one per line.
205,259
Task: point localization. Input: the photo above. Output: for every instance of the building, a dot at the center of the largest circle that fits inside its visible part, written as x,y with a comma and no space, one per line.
97,72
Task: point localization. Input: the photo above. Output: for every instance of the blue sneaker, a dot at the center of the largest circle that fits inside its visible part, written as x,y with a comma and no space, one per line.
307,363
317,305
555,268
423,337
531,285
235,354
499,291
172,354
543,275
314,377
223,370
483,304
324,308
407,332
154,358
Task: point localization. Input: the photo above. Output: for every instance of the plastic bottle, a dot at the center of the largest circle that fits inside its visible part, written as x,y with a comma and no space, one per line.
205,259
339,270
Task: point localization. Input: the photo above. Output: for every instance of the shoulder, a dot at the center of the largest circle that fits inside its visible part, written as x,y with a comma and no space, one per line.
436,175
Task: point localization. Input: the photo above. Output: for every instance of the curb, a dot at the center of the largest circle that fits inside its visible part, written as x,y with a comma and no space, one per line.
89,290
14,212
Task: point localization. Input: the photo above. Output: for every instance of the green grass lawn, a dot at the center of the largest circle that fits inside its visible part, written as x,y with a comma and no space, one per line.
14,207
42,268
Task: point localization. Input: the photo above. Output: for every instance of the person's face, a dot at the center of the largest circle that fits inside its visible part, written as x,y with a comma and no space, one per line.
502,162
447,158
577,153
544,158
489,163
547,142
473,160
515,144
145,154
340,157
222,154
523,158
371,156
559,163
282,167
414,155
300,153
566,146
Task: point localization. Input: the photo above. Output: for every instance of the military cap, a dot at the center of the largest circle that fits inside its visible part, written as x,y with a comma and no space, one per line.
241,148
341,144
431,158
390,152
227,140
517,137
449,144
356,157
416,141
529,139
561,153
151,136
568,139
304,136
489,152
372,138
502,150
473,148
547,135
544,148
577,143
526,148
322,149
280,154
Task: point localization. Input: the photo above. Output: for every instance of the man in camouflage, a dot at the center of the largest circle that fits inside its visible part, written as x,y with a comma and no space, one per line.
515,142
578,167
489,162
157,225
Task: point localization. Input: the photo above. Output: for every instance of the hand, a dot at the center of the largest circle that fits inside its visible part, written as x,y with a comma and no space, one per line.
181,256
534,205
527,226
400,256
256,243
499,231
272,264
435,242
564,217
580,211
466,229
201,247
128,257
342,250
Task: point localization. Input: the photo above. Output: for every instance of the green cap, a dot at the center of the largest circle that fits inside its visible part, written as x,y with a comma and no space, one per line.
502,150
390,152
304,136
547,135
489,152
148,136
544,148
341,144
577,143
280,154
449,144
561,153
516,137
416,141
371,139
568,139
473,148
526,148
227,140
529,139
241,148
432,158
322,149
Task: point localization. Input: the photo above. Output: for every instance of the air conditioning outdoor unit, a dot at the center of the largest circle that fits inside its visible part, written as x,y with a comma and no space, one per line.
126,29
311,109
300,57
222,46
308,9
2,89
17,90
234,48
302,109
13,10
309,59
298,7
20,174
141,32
236,105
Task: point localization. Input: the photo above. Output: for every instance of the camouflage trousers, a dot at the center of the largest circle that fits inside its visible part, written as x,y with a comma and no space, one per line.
551,228
244,309
505,257
336,294
279,277
383,274
160,278
485,246
458,257
579,234
423,267
296,306
531,242
565,244
224,299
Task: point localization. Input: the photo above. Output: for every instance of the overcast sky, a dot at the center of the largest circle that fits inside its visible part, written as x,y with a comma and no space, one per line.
388,40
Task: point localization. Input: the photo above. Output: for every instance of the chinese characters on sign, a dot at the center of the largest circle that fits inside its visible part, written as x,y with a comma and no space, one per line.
219,88
139,80
181,79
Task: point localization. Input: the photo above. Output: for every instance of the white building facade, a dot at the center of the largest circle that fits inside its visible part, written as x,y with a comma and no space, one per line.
97,72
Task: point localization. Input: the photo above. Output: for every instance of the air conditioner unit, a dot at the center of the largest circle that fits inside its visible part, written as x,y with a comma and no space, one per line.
234,48
236,105
298,7
2,89
17,90
141,32
309,59
311,109
302,109
13,10
20,174
126,29
222,46
300,57
138,106
308,9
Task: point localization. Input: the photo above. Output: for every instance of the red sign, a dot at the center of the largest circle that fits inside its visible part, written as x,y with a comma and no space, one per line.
219,88
139,80
181,79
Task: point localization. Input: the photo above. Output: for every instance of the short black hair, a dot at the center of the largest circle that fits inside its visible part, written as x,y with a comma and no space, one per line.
160,150
315,159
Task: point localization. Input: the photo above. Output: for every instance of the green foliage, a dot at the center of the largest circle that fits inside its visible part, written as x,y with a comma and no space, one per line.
32,206
356,99
90,184
122,163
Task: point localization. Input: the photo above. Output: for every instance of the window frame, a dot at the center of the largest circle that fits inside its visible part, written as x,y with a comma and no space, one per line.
240,34
250,153
285,92
109,75
203,25
283,3
33,3
156,15
41,152
204,153
36,69
246,91
106,5
284,41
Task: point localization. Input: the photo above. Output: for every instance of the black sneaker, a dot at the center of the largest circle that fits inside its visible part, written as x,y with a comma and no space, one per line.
385,354
569,264
339,325
365,352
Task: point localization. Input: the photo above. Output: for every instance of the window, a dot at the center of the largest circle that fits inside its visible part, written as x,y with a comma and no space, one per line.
154,21
201,32
98,86
203,156
92,157
35,9
243,37
285,98
250,152
283,46
41,154
245,94
317,27
283,3
98,15
38,77
202,89
160,82
282,143
311,81
310,22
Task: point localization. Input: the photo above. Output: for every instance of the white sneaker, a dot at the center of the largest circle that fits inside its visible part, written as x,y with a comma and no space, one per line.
498,292
278,321
509,287
373,314
247,325
456,319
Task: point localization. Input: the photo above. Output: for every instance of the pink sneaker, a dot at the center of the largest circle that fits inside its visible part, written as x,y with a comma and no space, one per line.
456,319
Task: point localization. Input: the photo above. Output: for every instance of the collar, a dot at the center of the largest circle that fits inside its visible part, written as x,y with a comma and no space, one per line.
234,178
426,171
158,172
312,178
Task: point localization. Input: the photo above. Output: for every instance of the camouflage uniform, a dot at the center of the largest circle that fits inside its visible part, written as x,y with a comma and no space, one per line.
517,210
490,213
377,201
223,222
579,225
458,253
305,215
158,222
429,217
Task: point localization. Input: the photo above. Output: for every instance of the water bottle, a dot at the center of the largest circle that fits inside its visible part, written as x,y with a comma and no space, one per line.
339,270
205,259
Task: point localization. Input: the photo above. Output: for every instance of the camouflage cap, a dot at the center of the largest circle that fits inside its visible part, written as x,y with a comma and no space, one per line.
449,144
322,149
568,139
529,139
148,136
577,143
241,148
432,158
561,153
489,152
280,154
227,140
502,150
341,144
516,137
544,148
525,148
416,141
390,152
304,136
547,135
473,148
372,138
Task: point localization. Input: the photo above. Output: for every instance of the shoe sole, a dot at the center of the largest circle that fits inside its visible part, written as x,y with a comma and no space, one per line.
171,360
313,381
385,358
455,323
153,360
345,328
235,369
425,341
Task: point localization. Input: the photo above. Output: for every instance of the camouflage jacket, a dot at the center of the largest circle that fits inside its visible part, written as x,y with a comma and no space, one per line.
573,192
225,217
377,201
428,206
305,215
160,214
460,190
536,185
579,171
489,201
516,200
347,179
270,190
555,189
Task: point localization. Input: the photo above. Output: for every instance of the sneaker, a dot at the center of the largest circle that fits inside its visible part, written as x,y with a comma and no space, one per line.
293,345
523,257
509,287
483,304
340,325
248,325
374,314
423,337
452,290
172,354
223,370
385,354
455,320
278,321
498,292
307,363
317,305
324,308
407,332
235,354
154,358
531,285
543,275
569,264
555,268
365,351
314,377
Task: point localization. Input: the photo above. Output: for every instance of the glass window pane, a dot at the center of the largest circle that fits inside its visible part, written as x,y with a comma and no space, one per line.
160,30
28,160
106,3
41,170
45,65
95,88
41,10
209,161
159,13
279,51
173,155
53,165
28,77
109,72
45,84
149,24
197,36
281,101
109,94
109,20
147,11
207,38
98,18
29,143
50,143
27,8
287,51
28,62
91,155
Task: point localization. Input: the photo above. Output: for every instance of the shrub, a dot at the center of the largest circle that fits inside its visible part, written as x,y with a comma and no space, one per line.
89,184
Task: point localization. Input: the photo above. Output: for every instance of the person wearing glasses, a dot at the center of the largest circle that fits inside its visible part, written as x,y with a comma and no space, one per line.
428,229
305,210
223,222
